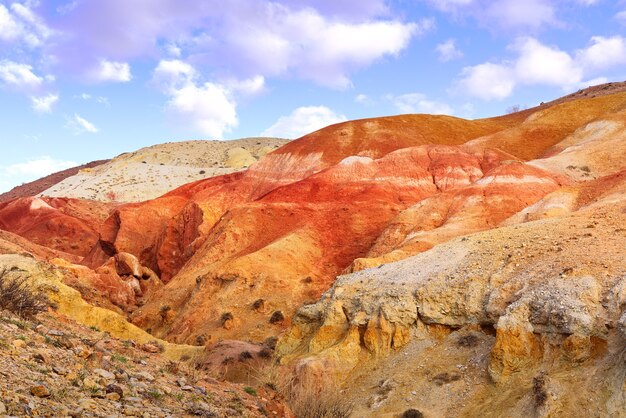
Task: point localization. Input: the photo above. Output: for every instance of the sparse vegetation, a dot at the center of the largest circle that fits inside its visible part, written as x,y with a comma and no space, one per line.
539,391
258,304
250,390
307,396
18,297
276,317
226,316
119,358
469,340
412,413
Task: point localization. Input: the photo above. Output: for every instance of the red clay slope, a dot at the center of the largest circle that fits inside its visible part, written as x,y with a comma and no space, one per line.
67,225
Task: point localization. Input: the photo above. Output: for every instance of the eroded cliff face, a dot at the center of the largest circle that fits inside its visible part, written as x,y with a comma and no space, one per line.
287,246
507,321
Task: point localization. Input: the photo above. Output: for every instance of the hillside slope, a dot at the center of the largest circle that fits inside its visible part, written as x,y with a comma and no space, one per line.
36,187
497,242
153,171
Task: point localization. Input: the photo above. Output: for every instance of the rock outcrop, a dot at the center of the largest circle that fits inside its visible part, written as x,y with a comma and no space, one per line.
66,225
551,290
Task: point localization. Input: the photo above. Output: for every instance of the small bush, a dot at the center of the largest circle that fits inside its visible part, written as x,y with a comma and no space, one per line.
327,402
307,396
276,317
250,391
226,316
266,353
17,297
469,340
539,390
412,413
258,304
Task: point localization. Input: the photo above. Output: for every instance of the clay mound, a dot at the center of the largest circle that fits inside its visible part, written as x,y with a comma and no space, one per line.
14,244
377,137
545,127
38,186
66,225
590,92
292,242
153,171
502,192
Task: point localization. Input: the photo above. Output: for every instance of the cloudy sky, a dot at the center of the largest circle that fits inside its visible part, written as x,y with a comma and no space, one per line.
89,79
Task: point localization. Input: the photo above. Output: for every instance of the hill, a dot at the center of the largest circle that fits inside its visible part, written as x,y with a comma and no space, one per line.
407,259
152,171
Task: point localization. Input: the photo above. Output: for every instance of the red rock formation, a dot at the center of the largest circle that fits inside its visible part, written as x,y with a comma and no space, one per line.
374,191
288,245
66,225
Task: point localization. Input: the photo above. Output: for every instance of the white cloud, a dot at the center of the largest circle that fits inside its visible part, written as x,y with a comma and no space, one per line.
67,7
208,108
539,64
603,53
509,14
79,125
247,87
118,72
280,41
450,5
172,75
302,121
38,167
173,50
44,104
323,41
333,49
14,174
545,65
19,24
98,99
9,27
363,99
448,51
488,81
19,76
419,103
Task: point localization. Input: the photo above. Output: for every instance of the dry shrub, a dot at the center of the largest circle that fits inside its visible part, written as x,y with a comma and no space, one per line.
18,297
306,396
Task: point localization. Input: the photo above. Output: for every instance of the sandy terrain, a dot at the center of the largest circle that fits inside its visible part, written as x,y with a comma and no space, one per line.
153,171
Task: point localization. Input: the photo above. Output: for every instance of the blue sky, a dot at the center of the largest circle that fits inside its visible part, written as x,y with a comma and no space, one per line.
82,80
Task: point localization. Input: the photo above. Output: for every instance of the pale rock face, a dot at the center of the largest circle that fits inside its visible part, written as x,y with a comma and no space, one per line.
540,285
153,171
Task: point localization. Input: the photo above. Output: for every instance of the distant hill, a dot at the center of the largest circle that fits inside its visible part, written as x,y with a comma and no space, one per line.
33,188
153,171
